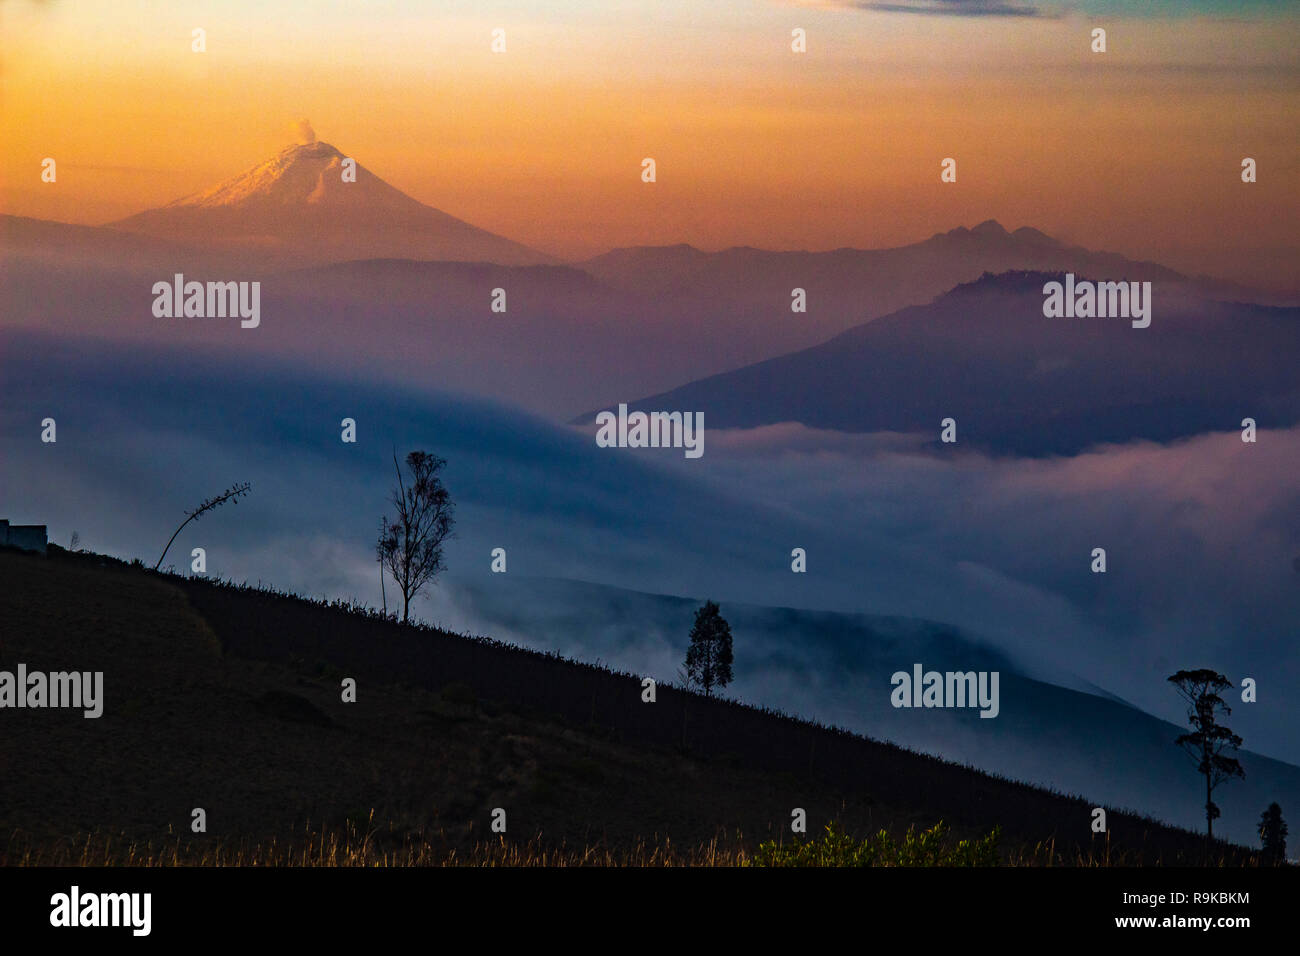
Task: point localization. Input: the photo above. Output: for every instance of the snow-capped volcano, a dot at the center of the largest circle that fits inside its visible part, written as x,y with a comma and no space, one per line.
311,174
298,205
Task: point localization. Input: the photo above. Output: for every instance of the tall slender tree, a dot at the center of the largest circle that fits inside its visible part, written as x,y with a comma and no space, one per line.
1210,743
410,545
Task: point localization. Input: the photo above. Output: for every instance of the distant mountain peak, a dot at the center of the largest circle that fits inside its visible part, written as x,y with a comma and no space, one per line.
315,148
1030,234
992,229
298,205
307,173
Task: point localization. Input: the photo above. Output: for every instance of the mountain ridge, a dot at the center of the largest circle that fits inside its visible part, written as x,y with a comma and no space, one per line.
1021,383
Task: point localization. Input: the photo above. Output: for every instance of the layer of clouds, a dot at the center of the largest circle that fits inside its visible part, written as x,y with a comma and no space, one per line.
1201,539
952,8
1201,536
1221,10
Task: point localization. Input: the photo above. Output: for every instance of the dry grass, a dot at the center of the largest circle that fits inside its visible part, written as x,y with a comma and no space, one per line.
349,847
352,849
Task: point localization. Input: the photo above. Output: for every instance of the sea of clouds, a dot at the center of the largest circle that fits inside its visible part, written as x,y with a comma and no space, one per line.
1201,535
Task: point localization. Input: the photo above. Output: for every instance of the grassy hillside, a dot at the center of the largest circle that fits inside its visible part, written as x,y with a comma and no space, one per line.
229,699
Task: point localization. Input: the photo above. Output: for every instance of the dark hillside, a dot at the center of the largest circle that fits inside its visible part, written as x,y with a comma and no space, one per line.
228,699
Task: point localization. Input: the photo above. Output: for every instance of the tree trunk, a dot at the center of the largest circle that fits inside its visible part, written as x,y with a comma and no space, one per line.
1209,817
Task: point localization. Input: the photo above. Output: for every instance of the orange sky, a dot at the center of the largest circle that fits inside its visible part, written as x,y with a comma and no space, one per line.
1136,150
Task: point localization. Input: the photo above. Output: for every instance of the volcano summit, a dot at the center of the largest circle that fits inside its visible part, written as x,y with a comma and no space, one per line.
300,204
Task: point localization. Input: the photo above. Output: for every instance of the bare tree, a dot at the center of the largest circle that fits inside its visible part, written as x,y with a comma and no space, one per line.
410,546
230,494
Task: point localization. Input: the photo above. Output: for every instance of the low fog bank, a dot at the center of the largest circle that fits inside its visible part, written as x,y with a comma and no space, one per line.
837,668
1201,536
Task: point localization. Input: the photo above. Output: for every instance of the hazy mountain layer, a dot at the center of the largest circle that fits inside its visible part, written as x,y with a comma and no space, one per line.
1016,381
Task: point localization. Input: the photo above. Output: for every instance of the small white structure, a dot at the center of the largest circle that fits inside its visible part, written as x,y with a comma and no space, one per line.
28,537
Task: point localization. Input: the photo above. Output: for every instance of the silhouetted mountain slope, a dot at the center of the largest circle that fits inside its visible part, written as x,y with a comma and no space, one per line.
230,699
859,284
1052,730
71,249
1017,381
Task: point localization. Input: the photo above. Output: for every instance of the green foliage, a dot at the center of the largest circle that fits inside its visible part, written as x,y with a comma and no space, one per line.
930,847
